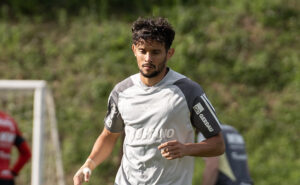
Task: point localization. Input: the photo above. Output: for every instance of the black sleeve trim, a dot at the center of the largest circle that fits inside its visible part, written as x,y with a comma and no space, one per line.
18,140
203,115
113,120
204,118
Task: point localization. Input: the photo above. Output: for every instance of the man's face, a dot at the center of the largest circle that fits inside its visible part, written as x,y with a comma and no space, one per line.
151,57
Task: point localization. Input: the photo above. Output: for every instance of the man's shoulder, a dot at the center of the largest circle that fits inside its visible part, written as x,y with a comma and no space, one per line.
6,121
124,84
186,84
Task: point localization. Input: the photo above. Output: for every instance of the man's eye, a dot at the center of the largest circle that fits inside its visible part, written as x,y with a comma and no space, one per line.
142,51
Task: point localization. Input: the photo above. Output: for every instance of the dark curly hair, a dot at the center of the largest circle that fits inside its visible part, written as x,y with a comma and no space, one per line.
148,29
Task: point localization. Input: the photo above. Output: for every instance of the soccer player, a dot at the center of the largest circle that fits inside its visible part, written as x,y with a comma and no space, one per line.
10,135
158,110
231,168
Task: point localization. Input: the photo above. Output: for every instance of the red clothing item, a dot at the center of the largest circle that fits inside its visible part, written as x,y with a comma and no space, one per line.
10,136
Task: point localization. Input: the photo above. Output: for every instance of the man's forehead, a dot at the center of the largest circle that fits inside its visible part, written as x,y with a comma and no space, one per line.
149,43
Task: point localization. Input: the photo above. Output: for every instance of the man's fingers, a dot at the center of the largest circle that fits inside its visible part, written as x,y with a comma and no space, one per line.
169,153
87,173
77,179
172,153
171,156
86,177
82,175
174,148
169,143
171,150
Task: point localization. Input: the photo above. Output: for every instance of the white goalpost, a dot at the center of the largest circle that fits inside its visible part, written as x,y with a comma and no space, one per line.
42,102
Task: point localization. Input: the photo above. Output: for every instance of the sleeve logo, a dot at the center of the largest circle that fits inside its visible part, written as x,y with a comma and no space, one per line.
198,108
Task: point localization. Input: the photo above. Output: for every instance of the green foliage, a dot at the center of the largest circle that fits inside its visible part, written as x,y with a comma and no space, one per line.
245,54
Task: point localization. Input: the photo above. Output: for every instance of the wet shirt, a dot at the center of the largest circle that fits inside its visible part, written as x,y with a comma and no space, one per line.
150,116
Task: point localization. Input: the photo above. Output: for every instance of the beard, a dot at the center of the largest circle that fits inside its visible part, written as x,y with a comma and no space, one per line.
158,69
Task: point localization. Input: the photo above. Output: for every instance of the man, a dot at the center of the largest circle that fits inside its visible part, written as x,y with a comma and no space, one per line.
157,109
10,135
231,168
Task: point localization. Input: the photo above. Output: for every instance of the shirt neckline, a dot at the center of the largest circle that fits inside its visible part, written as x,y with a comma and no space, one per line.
160,83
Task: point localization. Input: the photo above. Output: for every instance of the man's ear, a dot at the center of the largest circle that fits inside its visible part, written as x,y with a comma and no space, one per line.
170,53
133,49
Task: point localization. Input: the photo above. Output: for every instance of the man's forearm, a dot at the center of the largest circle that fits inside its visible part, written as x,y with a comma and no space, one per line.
24,156
102,147
210,147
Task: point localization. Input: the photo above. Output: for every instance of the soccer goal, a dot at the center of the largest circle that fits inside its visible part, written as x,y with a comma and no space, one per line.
32,101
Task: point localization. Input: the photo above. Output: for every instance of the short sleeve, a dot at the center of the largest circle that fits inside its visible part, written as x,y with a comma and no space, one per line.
203,116
113,120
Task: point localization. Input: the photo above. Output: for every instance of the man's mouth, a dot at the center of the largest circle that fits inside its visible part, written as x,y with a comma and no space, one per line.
148,65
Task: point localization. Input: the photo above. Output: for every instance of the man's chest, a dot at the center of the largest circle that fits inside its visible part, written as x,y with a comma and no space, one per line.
144,107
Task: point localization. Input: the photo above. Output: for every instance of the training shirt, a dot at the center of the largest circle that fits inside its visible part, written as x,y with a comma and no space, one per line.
9,136
233,167
153,115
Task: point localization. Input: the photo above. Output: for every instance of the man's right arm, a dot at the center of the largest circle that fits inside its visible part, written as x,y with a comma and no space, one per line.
101,150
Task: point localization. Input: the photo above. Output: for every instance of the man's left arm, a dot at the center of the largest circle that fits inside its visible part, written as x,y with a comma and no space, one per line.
24,154
204,119
210,147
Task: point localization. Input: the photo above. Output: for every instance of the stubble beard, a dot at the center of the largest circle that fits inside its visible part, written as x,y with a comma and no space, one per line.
155,73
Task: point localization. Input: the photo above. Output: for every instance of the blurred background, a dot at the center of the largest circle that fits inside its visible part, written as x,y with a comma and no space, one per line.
245,54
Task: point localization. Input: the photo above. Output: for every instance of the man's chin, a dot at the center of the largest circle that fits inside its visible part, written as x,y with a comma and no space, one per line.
149,75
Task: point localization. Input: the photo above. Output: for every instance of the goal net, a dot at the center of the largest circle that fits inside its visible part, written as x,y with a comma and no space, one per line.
31,104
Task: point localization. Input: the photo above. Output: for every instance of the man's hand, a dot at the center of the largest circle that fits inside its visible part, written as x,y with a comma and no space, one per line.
172,149
82,175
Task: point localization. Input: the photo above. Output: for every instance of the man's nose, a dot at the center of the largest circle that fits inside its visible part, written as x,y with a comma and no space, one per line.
148,57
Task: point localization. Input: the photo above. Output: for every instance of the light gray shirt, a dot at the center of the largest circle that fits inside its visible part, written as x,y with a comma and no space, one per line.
153,115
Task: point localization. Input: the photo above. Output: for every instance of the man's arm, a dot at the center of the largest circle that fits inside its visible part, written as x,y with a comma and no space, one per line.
210,173
24,156
103,146
101,150
210,147
23,149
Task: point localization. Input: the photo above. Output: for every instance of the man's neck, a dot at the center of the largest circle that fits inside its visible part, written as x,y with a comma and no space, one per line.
154,80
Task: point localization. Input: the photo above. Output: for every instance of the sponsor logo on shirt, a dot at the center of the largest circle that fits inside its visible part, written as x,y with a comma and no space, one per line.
108,119
206,123
198,108
149,134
